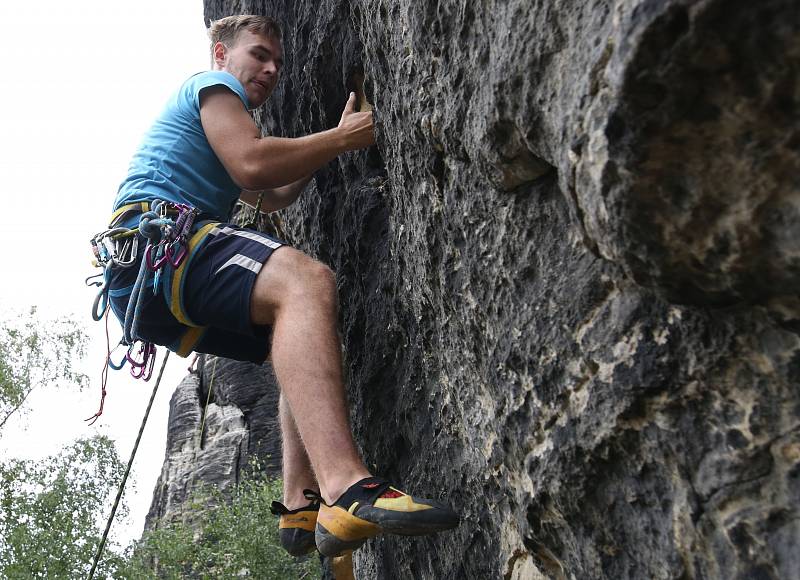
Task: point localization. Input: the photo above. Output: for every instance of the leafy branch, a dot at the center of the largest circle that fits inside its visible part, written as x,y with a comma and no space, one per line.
36,352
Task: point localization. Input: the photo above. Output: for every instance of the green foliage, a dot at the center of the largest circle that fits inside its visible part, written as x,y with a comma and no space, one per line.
233,538
37,352
50,509
52,512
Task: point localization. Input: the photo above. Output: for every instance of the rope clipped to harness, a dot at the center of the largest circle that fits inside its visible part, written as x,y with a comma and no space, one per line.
118,247
163,237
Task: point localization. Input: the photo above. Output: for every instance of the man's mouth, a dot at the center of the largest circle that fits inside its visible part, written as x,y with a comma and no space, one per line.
262,84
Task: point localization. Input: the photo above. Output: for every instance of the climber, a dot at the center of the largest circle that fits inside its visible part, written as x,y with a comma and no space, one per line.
244,295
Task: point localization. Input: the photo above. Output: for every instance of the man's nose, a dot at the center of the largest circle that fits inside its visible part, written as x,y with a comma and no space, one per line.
270,68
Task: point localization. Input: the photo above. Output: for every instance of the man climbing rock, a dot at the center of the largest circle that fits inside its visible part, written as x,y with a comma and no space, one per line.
241,294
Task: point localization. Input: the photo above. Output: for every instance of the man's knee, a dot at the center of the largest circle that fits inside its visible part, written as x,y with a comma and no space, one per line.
313,280
290,277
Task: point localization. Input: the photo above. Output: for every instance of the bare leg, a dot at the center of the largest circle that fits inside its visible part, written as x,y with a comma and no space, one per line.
297,296
297,472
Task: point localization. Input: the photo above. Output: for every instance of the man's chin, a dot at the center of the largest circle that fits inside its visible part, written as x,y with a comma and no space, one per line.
256,102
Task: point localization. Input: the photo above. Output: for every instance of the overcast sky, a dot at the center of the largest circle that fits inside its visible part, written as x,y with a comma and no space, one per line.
83,80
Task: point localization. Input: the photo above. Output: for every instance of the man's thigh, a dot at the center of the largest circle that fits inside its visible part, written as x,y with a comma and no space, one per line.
218,285
286,273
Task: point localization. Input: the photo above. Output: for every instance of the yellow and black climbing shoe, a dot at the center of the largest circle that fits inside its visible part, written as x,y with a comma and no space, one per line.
371,507
297,527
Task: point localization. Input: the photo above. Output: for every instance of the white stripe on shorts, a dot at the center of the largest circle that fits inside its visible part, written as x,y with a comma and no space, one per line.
249,235
243,261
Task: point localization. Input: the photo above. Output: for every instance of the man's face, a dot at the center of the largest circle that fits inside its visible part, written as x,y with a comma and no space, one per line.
256,61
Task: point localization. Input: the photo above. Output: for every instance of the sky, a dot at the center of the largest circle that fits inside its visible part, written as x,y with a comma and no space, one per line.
86,79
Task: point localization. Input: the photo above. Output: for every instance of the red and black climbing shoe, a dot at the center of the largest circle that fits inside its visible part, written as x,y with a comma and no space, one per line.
371,507
297,527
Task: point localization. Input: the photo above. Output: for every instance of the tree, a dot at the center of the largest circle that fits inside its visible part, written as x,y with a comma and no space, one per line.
37,352
51,512
233,537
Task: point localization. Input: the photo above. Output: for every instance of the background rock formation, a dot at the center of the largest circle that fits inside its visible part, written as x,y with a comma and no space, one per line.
240,427
568,275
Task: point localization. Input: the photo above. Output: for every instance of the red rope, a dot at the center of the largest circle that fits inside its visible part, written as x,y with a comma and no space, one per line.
103,377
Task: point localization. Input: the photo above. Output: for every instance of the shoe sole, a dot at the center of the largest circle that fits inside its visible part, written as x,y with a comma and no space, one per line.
411,518
298,544
339,531
297,533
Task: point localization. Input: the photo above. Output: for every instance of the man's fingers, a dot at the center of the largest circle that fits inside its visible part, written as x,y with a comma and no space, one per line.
350,107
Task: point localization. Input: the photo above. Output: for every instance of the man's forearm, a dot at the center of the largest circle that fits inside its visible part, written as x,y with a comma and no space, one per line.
255,163
281,197
276,198
275,162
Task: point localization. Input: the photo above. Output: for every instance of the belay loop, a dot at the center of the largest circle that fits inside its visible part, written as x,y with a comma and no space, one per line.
167,238
163,234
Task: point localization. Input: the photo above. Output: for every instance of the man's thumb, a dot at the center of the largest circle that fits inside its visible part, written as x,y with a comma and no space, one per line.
350,107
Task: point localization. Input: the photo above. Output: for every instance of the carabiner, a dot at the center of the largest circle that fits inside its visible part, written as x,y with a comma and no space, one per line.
160,259
101,300
142,369
119,365
125,255
174,259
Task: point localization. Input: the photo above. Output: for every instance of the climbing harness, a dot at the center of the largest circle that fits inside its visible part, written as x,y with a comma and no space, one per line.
102,544
163,237
167,229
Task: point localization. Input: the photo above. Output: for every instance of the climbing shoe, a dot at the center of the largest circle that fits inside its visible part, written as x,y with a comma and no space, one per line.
371,507
297,527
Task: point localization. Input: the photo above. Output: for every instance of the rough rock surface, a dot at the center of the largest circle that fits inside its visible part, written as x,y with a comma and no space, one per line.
568,274
241,426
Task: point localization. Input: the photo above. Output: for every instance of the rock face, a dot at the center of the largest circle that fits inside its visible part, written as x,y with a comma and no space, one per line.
568,275
240,426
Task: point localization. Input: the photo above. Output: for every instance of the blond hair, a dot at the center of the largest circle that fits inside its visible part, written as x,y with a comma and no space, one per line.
227,30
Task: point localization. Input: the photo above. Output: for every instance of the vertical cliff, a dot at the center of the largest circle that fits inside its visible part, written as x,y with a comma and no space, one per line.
568,275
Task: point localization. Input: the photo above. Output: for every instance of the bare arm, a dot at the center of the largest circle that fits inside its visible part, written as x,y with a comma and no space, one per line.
276,198
256,162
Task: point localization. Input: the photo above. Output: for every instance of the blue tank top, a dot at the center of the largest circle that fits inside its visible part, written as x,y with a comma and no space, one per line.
175,162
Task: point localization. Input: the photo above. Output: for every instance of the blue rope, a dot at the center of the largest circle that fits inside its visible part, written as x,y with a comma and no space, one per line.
102,297
134,303
150,226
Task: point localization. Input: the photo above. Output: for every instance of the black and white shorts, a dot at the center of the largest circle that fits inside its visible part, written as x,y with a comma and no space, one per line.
204,304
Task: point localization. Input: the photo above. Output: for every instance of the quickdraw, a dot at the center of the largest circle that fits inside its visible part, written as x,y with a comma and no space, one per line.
118,247
252,223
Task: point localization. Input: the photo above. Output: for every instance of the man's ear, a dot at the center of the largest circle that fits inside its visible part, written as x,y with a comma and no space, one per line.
220,54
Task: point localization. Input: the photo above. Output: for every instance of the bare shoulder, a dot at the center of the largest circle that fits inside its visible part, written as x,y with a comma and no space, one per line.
221,110
230,131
